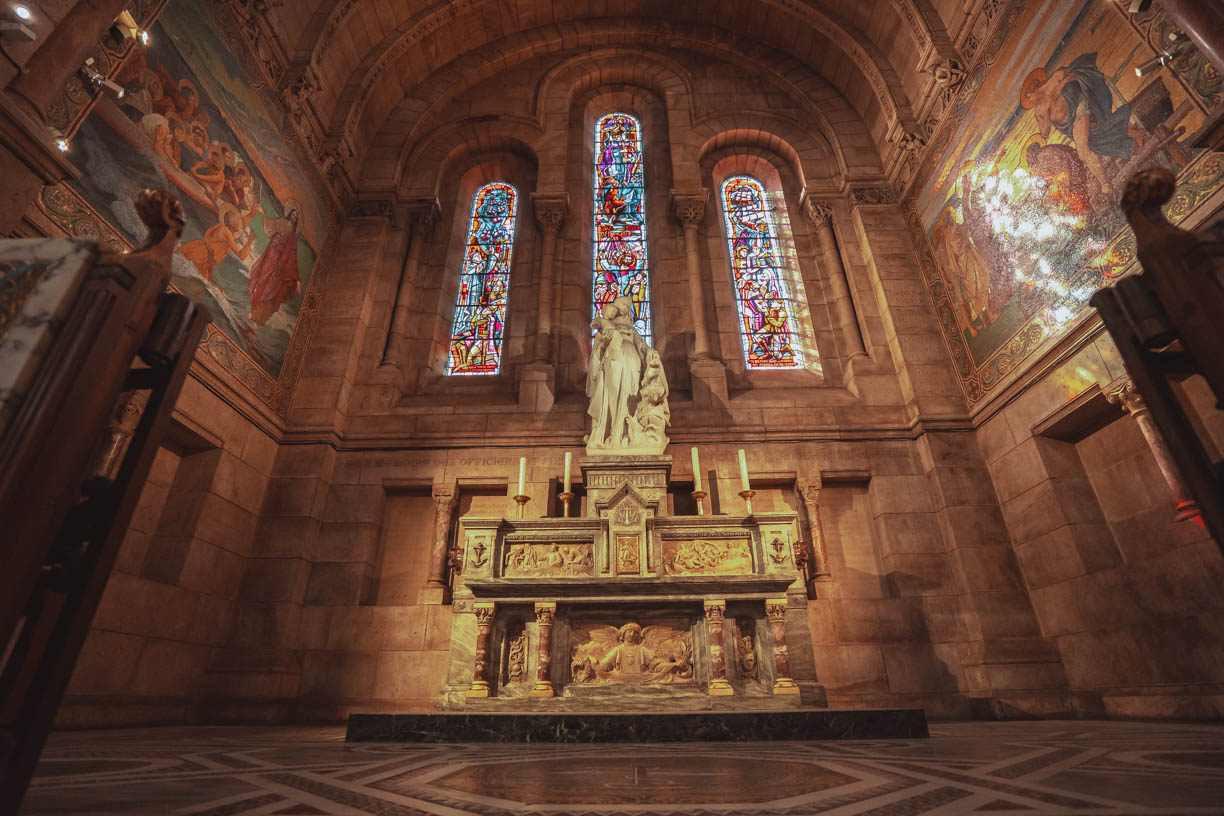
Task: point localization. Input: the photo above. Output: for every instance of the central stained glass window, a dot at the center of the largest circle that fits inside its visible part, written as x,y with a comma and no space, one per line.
620,219
480,307
765,305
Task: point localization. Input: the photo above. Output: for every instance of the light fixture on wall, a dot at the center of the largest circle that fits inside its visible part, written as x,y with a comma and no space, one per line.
1151,66
61,144
16,28
92,76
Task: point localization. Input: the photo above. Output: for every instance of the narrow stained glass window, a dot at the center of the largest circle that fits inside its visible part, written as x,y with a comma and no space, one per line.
620,219
767,330
480,308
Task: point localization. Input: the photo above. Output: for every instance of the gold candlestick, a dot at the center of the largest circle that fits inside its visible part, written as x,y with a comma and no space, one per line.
699,497
747,495
522,502
566,498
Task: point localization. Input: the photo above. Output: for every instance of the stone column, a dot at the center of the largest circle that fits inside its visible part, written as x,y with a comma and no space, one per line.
775,609
63,52
546,614
421,218
480,662
809,493
550,212
1125,394
715,612
444,506
821,216
689,207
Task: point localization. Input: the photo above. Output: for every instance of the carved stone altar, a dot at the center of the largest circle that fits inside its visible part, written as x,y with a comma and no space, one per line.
629,608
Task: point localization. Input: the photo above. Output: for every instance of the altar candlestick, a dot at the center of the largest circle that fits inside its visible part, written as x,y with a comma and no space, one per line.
523,475
696,472
743,463
569,460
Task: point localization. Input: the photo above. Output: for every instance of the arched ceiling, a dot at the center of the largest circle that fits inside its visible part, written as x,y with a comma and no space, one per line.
379,60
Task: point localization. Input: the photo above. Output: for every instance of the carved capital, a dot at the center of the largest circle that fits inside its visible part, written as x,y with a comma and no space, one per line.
809,488
484,615
550,210
546,613
689,206
371,208
873,195
444,499
818,212
775,610
421,215
948,73
715,611
1123,392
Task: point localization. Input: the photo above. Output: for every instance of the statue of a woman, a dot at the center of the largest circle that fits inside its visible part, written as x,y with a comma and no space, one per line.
614,379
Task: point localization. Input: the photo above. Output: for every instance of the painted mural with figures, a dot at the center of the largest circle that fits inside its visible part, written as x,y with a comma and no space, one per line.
1020,212
190,122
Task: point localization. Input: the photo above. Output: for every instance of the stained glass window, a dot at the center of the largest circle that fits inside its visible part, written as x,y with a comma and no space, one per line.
620,219
480,308
766,309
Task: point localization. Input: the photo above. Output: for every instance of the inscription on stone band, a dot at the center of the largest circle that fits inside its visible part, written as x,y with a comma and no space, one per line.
617,479
697,556
538,558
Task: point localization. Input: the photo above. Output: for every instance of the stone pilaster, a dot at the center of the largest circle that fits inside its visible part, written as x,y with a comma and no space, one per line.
820,213
422,215
709,375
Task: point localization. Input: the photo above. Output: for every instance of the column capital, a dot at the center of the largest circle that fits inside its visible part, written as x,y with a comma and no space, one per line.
484,613
808,488
775,609
444,496
1122,392
550,210
420,214
818,211
689,206
546,613
715,611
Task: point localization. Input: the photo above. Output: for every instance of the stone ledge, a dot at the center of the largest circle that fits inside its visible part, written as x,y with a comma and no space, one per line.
576,727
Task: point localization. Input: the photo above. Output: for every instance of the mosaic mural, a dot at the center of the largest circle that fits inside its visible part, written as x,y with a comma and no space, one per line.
1020,214
620,219
190,122
765,305
480,306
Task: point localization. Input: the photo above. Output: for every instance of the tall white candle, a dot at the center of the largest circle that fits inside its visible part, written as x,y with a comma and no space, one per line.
696,472
569,460
522,491
743,462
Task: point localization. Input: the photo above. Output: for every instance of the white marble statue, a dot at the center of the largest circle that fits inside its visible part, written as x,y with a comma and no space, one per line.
626,386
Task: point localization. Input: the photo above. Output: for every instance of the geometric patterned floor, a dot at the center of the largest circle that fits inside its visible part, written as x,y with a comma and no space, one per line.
1027,768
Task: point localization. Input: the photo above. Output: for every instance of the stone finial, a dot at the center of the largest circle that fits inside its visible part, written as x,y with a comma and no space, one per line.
689,206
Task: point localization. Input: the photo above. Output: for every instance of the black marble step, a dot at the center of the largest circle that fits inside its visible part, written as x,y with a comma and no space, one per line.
802,724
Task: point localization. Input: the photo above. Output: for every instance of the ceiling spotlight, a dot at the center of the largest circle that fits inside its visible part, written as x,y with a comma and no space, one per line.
22,12
143,36
1154,64
61,144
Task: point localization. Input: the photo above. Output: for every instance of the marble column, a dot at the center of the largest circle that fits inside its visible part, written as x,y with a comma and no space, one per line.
775,610
821,216
63,52
715,614
689,207
421,218
546,614
480,663
809,494
550,212
444,506
1125,394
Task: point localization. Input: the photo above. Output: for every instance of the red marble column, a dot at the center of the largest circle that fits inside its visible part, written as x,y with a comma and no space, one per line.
64,52
546,613
480,662
715,613
775,609
444,505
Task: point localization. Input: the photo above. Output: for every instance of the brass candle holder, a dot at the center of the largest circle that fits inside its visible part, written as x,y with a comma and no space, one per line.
699,497
522,502
747,495
565,498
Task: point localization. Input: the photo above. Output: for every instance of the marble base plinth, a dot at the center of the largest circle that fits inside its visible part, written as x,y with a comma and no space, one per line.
579,727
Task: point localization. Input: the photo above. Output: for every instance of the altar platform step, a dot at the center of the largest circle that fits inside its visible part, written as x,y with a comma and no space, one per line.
603,726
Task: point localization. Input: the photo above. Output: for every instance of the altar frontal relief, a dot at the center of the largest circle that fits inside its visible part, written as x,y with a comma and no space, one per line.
190,122
656,652
719,556
1021,208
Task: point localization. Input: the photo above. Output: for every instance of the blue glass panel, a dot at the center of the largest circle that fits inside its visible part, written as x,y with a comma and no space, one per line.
480,308
620,219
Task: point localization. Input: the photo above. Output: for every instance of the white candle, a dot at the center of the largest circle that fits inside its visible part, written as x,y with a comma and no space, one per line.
522,491
569,460
743,462
696,472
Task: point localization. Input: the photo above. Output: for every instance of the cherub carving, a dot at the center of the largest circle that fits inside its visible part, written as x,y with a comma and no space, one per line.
631,654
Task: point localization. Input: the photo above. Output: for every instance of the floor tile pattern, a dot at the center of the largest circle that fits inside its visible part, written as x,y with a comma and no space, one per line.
1025,768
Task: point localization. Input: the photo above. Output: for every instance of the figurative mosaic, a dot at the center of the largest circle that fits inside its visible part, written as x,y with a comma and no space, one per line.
765,306
620,220
480,307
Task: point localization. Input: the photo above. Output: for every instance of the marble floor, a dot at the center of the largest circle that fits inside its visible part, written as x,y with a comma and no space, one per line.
992,768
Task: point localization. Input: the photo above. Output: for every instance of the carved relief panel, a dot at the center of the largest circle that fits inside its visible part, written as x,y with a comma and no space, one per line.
702,556
603,652
548,559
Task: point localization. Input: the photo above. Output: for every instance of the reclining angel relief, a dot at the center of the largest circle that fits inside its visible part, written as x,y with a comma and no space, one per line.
626,386
631,654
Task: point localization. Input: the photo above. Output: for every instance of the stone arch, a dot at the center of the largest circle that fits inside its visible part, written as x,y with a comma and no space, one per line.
421,171
802,152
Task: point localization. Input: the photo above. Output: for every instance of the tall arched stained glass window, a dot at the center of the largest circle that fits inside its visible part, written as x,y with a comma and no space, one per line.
767,327
480,308
620,219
